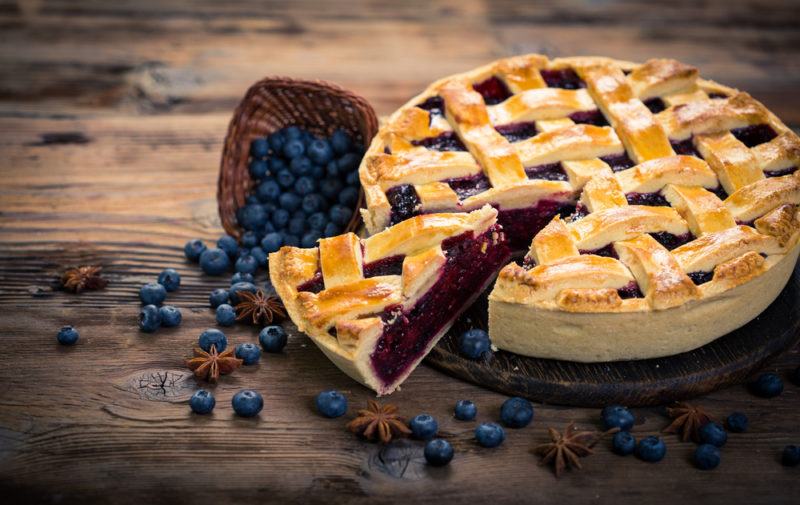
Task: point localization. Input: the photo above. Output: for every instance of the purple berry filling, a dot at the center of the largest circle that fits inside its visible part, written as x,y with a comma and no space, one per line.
549,172
671,241
467,271
701,277
685,147
313,285
630,290
720,192
514,132
607,251
404,201
580,212
754,135
779,173
493,90
651,199
434,105
466,187
528,262
393,265
565,78
714,95
593,117
655,105
520,225
447,141
618,162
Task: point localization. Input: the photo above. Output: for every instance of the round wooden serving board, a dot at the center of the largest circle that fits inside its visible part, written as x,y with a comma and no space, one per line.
728,360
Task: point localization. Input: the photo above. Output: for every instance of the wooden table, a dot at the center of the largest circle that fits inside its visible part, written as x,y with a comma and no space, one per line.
112,116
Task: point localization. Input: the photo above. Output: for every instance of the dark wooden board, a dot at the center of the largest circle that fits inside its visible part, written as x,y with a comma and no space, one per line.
727,360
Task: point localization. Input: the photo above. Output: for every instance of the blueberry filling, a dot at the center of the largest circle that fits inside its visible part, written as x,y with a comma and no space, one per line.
651,199
580,212
720,192
714,95
618,162
466,187
754,135
404,202
514,132
565,78
549,172
779,173
606,251
434,105
313,285
671,241
701,277
630,290
393,265
593,117
522,224
471,263
493,90
685,147
528,262
655,105
447,141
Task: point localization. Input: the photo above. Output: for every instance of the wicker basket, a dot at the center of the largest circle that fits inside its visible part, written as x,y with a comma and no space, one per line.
274,103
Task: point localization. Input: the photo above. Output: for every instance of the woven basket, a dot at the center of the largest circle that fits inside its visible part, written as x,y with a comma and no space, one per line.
274,103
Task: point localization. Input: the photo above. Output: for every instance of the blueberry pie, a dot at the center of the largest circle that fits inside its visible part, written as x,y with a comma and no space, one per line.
376,306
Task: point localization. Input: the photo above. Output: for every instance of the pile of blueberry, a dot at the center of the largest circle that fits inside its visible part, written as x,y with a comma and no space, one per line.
306,187
153,314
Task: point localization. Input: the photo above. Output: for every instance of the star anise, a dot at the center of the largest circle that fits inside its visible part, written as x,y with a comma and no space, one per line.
380,422
260,308
209,365
565,450
83,278
687,420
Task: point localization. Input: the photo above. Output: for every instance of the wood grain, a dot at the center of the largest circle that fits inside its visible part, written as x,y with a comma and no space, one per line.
112,116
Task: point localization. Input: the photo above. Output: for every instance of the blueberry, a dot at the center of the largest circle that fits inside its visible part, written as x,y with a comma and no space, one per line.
617,416
332,169
250,239
268,191
294,148
516,412
214,261
149,319
706,457
271,242
331,230
296,226
170,316
242,277
737,422
291,240
170,279
423,426
246,264
248,353
218,297
305,186
713,433
292,132
253,217
272,338
309,240
193,249
313,203
226,315
348,162
331,404
67,335
258,169
623,443
269,228
317,220
280,218
238,288
340,215
352,179
790,456
340,141
474,343
247,403
465,410
213,337
290,201
229,245
438,452
349,197
651,449
767,385
317,172
276,141
260,256
300,166
251,199
320,151
330,188
285,179
152,293
259,147
490,435
202,402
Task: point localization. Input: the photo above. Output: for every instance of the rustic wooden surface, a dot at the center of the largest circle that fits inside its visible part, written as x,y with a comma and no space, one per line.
112,116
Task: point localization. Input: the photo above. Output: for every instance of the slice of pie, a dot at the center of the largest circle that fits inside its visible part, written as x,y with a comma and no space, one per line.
376,306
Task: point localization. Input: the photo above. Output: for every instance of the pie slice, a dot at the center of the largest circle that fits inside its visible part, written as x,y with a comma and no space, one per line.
376,306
